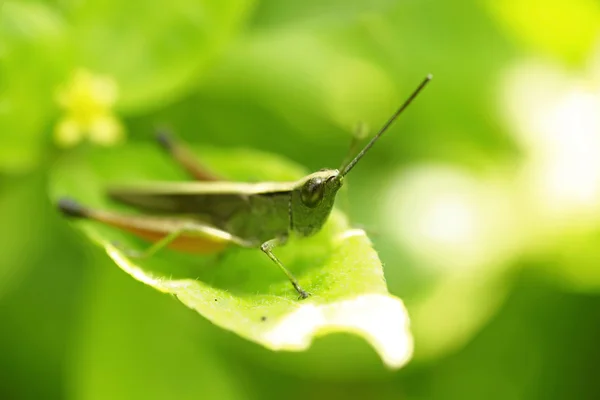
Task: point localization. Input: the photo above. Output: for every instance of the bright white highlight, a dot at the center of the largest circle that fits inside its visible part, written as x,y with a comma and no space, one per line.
448,219
559,126
349,233
381,319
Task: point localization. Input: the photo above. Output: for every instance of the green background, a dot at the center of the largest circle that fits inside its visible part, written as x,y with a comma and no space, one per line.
521,321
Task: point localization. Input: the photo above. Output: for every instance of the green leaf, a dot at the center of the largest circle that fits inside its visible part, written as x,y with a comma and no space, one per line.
241,290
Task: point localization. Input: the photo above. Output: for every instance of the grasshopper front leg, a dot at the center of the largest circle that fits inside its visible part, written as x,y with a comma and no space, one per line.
208,233
267,247
212,233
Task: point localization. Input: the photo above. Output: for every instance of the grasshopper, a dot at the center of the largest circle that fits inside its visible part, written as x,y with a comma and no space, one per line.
209,215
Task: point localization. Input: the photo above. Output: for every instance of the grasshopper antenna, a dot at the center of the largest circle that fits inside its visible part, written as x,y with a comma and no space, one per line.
385,127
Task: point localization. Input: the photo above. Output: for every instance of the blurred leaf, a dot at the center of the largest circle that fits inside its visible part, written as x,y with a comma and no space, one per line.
32,35
153,52
245,293
458,306
41,271
517,354
133,344
316,83
22,230
566,30
454,119
274,13
570,260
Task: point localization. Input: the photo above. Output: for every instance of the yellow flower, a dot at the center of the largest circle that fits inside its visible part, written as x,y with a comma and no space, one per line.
87,101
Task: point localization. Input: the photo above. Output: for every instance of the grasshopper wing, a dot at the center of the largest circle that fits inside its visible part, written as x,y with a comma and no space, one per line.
217,201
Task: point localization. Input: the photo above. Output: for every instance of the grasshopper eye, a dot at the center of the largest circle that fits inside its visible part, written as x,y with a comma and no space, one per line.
312,192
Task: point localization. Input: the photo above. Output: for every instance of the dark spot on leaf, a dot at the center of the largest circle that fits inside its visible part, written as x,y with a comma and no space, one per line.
263,318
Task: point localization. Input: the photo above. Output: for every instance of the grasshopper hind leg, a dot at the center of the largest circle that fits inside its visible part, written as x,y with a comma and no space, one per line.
179,233
185,158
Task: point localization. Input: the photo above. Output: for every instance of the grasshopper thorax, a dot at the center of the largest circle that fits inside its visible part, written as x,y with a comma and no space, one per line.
312,201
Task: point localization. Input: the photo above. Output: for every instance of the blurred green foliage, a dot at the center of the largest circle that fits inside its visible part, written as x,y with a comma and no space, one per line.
510,116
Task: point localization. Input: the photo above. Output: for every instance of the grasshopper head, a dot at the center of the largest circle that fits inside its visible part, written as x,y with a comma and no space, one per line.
312,201
313,196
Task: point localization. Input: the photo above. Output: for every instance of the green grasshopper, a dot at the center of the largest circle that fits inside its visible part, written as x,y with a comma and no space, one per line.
207,216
